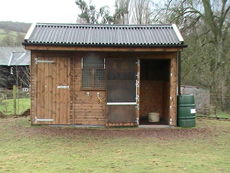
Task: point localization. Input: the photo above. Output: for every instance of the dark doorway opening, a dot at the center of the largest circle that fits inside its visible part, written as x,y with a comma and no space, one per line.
154,90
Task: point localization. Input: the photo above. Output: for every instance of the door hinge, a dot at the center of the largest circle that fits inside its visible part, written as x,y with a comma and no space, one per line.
43,61
43,119
63,86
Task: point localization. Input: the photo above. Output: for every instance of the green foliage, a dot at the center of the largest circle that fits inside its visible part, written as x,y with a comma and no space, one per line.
6,106
12,33
9,38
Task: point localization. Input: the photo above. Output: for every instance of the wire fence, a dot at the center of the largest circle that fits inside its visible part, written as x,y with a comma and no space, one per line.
14,101
219,106
209,104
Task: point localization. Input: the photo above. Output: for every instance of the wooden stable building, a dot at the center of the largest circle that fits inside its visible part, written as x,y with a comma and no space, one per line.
110,75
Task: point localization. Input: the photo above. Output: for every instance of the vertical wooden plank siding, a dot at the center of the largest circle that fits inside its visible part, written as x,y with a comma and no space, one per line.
166,101
40,91
173,92
152,98
49,102
63,102
54,93
61,96
52,90
68,78
59,113
33,92
72,94
45,92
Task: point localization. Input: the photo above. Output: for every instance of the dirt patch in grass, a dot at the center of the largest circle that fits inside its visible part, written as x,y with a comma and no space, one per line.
2,115
72,132
163,134
26,113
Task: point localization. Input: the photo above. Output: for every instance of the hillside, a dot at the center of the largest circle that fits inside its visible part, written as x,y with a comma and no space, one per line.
12,33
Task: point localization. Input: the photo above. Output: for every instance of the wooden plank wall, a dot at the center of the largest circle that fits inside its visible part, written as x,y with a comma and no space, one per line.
33,79
151,97
173,91
48,101
154,97
166,101
85,106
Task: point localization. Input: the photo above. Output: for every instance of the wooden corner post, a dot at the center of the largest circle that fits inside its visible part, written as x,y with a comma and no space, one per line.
173,92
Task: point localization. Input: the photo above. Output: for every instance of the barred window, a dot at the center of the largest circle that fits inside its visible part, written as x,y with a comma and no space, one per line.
93,73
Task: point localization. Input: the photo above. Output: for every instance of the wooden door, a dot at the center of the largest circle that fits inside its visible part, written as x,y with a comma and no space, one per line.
121,91
52,90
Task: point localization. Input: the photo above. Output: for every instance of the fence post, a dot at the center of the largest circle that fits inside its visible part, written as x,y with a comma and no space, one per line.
14,98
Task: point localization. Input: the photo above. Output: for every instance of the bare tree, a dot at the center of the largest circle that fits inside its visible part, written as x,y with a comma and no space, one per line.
141,11
90,14
206,25
134,12
121,11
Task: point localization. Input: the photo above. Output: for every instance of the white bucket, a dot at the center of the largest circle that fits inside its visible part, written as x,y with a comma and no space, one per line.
154,117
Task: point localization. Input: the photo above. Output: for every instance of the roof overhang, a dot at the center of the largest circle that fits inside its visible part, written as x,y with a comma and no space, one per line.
105,48
175,28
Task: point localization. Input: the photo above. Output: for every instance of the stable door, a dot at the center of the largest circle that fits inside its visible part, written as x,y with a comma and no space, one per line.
52,90
121,91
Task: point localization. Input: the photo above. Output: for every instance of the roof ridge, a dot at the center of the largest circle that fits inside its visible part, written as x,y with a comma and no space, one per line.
103,25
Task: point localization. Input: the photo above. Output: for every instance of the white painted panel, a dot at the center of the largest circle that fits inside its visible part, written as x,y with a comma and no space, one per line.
63,86
192,111
121,103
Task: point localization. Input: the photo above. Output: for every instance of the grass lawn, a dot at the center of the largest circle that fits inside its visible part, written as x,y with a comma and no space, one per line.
23,148
2,32
221,115
6,106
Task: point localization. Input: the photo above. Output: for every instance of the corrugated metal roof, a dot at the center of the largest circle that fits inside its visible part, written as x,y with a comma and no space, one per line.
20,58
14,56
104,35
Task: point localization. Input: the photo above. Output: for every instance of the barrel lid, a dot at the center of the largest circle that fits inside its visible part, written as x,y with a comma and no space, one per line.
186,99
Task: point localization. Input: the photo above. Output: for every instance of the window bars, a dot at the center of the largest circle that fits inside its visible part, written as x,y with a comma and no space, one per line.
93,73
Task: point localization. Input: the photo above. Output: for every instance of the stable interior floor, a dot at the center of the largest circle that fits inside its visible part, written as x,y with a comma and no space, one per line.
146,122
156,126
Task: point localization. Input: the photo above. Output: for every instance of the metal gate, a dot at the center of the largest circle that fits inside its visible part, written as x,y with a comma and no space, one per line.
121,91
